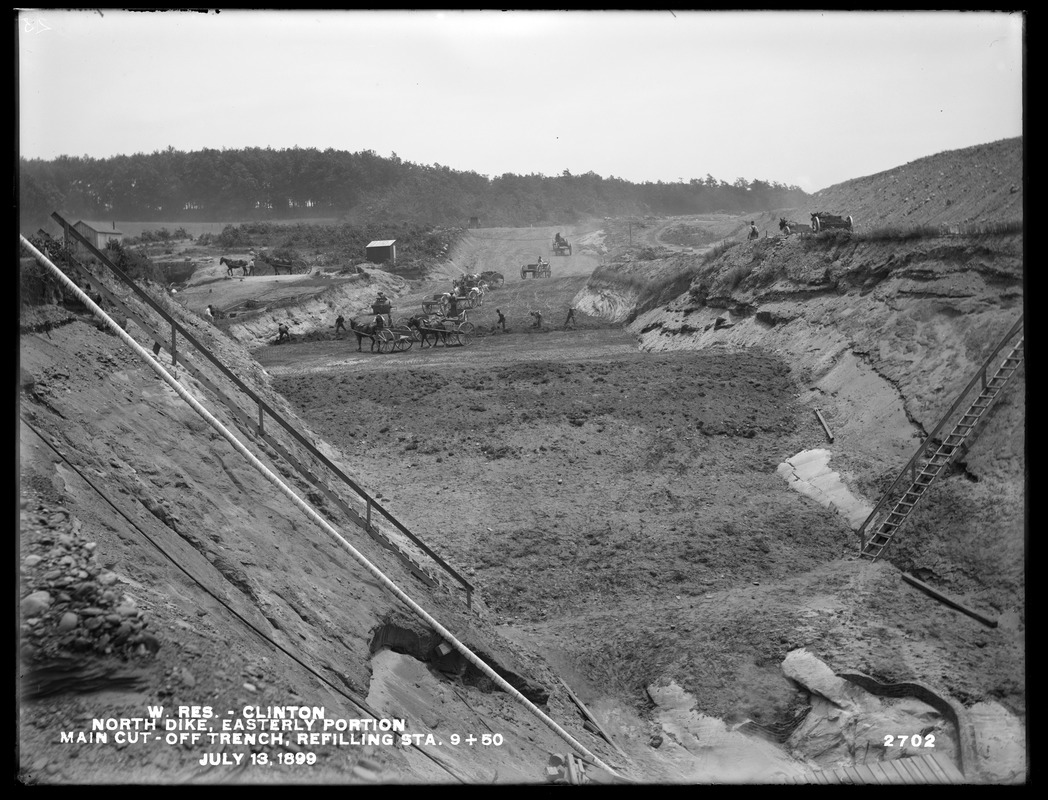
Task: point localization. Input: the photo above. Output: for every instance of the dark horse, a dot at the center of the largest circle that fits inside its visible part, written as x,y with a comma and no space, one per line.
427,330
368,331
789,227
231,265
277,266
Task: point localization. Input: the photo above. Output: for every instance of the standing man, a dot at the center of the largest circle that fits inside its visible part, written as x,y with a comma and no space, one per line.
284,332
502,320
571,319
754,233
340,324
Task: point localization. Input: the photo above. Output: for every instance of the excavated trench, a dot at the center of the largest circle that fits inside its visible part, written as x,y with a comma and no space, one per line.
828,338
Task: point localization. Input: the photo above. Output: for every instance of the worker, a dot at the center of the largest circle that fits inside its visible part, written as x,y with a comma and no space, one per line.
754,233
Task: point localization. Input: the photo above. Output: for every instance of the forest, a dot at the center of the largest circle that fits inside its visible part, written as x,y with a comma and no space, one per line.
362,187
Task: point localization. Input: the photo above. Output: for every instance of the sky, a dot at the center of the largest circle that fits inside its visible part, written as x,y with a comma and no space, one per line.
808,99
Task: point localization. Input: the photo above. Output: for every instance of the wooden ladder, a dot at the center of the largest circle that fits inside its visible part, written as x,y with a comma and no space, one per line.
925,469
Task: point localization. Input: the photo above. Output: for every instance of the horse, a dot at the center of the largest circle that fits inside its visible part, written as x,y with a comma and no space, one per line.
427,330
231,265
361,331
788,227
277,265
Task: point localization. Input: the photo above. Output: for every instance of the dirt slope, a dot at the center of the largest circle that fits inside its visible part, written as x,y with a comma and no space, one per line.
981,184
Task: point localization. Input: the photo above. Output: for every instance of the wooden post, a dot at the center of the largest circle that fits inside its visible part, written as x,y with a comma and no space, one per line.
261,418
942,598
825,427
174,352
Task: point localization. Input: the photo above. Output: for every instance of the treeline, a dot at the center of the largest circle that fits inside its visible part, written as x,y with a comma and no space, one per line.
256,183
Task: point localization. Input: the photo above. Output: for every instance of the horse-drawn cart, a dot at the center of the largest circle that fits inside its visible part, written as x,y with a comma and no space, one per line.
276,264
561,246
540,270
826,222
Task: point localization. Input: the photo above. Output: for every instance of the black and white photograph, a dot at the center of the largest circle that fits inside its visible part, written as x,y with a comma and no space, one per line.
520,397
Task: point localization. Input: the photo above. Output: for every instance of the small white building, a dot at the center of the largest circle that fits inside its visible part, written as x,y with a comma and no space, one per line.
379,252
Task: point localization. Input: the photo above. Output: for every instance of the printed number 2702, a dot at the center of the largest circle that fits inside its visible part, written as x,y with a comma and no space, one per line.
916,740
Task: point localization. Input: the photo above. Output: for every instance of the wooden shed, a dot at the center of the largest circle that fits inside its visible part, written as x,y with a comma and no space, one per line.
379,252
98,233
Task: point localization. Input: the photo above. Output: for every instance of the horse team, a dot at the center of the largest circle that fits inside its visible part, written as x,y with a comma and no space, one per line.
248,267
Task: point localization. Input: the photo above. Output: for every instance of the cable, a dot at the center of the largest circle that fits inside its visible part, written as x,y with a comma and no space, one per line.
237,445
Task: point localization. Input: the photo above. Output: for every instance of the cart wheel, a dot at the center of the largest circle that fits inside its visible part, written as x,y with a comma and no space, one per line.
404,322
467,328
385,340
523,274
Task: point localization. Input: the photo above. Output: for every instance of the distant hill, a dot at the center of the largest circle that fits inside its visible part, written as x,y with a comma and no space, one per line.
981,184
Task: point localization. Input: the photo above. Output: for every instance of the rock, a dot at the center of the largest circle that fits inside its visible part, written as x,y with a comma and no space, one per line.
655,741
68,621
36,603
32,561
804,668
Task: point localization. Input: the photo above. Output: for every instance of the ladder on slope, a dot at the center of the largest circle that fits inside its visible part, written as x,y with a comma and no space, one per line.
923,469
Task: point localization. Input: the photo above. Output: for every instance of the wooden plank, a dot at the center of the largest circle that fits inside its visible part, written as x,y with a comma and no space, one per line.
867,775
831,776
909,764
945,599
901,775
821,778
586,713
825,427
849,775
933,769
922,765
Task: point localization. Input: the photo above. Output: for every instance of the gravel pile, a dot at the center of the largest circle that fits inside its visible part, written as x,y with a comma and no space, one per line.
69,604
